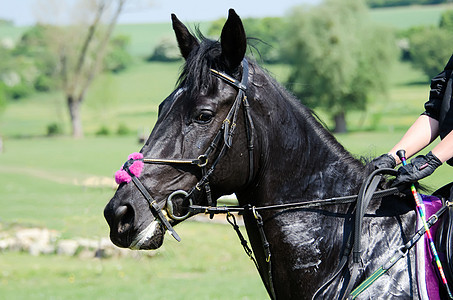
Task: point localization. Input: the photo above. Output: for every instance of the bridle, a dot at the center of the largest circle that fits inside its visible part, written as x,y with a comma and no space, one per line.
225,134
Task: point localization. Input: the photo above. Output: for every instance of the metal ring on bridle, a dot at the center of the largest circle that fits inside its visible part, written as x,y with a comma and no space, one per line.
169,205
202,161
254,213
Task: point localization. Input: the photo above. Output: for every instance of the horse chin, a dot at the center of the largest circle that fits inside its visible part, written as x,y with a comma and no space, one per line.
149,238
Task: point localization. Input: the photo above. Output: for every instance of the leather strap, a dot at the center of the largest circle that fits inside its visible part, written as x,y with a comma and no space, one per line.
155,209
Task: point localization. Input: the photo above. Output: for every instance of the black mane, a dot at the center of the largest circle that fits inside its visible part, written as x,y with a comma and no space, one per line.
196,76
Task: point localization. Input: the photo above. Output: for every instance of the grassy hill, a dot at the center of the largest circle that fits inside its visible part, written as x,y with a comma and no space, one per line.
145,37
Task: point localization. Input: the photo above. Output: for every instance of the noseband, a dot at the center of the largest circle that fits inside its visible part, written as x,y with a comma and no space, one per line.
225,133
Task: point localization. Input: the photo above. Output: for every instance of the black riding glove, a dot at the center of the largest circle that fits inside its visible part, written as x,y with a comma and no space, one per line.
419,168
384,161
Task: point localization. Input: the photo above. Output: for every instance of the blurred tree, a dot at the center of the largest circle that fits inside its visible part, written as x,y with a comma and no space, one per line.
33,63
430,49
2,97
264,36
34,46
166,50
338,58
2,107
117,58
446,20
81,50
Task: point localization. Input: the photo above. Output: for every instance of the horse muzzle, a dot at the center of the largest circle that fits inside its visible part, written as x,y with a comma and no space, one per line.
127,232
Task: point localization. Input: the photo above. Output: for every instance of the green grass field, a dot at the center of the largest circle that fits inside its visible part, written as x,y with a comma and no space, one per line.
41,187
145,37
407,16
43,180
196,268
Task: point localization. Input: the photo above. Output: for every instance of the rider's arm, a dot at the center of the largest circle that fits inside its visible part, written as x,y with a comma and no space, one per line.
424,130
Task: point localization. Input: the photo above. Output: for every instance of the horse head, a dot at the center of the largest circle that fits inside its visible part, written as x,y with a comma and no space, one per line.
195,153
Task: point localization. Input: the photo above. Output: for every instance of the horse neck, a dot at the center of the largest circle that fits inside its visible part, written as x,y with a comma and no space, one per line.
300,159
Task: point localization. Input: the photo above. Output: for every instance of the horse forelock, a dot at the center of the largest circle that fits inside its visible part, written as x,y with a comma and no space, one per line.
196,76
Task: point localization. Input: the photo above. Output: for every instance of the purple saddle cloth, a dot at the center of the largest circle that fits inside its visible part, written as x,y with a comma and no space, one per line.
427,278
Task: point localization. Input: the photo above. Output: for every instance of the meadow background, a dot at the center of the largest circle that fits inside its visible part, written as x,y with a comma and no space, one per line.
42,179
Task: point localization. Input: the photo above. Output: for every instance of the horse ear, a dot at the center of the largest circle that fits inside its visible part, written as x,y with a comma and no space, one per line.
233,40
186,41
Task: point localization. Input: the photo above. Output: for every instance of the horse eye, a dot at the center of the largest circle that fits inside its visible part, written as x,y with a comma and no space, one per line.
204,117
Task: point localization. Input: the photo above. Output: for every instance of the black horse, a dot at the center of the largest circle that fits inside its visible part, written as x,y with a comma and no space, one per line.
230,128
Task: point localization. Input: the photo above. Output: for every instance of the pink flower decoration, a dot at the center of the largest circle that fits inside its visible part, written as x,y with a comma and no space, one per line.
122,176
135,168
135,155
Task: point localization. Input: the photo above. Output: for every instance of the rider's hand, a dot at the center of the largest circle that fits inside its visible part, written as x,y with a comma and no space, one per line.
419,168
384,161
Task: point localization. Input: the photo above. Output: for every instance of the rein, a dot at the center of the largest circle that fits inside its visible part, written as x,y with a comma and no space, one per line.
366,194
303,204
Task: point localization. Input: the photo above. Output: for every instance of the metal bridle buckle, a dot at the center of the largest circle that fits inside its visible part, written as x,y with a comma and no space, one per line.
202,161
170,207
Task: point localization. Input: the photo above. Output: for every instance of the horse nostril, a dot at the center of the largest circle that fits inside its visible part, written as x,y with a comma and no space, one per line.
124,216
120,212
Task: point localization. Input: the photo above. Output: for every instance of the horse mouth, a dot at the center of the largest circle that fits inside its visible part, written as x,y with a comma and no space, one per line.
150,238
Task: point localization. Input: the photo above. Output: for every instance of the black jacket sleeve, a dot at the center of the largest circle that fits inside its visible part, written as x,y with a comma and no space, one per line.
438,85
